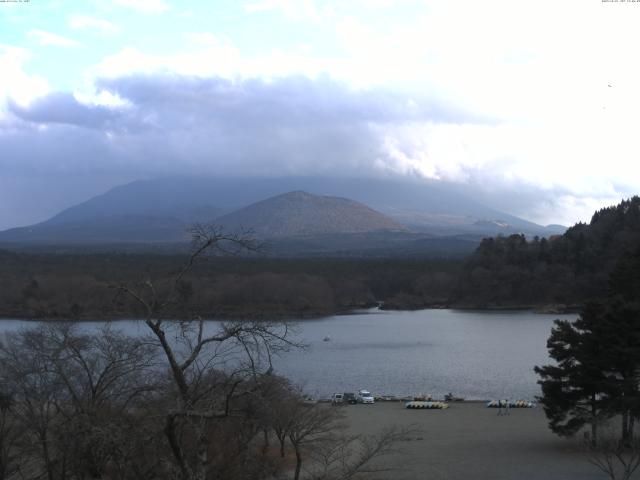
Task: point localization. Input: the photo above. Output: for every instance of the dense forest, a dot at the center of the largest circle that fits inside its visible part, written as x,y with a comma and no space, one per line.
565,269
82,286
555,273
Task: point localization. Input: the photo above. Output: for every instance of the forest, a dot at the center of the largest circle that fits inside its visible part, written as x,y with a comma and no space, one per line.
82,286
568,269
556,273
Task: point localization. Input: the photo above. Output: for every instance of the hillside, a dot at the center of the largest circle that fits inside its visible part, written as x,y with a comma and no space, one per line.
302,214
104,230
189,197
567,269
158,211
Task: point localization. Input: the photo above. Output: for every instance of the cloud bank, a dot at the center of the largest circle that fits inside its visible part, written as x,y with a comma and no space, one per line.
172,124
524,107
164,124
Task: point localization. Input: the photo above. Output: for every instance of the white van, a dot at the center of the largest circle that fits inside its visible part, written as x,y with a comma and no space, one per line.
337,399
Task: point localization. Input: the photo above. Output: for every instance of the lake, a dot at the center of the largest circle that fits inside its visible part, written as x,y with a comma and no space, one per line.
475,354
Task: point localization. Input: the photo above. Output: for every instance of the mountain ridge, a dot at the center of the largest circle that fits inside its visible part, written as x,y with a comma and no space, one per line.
160,210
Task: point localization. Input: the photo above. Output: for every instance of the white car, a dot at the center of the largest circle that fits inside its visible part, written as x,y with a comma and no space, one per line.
364,396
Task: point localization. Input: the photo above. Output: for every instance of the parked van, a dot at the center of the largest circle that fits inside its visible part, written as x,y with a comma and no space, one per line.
337,399
350,398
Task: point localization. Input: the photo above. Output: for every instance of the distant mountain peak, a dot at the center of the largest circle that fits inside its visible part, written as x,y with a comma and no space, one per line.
301,195
298,194
299,213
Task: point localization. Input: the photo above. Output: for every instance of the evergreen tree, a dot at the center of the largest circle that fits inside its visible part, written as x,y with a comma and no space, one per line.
597,374
568,269
573,390
622,340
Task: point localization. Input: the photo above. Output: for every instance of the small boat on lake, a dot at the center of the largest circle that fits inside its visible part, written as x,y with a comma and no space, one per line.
326,339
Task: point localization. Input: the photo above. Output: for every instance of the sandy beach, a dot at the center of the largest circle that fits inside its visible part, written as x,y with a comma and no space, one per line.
469,441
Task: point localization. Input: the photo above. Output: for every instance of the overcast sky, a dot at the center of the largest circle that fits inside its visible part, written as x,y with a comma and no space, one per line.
530,107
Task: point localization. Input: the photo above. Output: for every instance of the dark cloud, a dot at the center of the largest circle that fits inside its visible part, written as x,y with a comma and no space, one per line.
63,108
290,101
176,124
181,125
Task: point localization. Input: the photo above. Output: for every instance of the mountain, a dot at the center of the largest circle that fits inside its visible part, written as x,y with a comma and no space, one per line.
158,211
101,230
422,206
303,214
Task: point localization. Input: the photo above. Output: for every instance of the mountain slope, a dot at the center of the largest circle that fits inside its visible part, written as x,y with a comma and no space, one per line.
422,206
159,210
302,214
101,230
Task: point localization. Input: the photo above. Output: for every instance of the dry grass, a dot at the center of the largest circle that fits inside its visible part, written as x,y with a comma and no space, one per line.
468,441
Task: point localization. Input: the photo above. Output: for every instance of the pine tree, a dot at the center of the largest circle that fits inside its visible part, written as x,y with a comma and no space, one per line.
574,390
619,336
597,374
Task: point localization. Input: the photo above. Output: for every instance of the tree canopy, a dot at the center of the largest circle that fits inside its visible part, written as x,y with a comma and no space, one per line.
569,269
597,371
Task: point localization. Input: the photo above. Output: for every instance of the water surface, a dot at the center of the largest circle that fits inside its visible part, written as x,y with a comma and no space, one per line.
476,354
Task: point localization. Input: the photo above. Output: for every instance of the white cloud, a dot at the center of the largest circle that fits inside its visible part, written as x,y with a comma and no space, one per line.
294,10
145,6
84,22
15,83
52,39
101,98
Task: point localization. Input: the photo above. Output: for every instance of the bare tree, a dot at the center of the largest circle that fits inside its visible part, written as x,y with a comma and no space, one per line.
10,436
316,433
192,351
279,401
36,391
73,394
310,425
615,457
105,377
185,401
348,457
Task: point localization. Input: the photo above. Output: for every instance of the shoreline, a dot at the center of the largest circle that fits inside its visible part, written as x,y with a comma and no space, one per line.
558,309
304,316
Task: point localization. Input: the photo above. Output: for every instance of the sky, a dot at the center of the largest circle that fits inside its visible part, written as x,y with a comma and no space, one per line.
528,107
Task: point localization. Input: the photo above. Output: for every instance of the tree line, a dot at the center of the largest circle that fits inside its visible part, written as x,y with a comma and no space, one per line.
567,269
76,287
